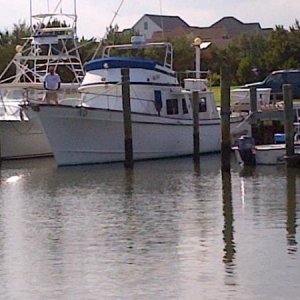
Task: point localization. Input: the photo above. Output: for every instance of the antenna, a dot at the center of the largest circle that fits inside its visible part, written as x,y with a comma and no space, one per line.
59,3
30,7
161,20
75,21
115,15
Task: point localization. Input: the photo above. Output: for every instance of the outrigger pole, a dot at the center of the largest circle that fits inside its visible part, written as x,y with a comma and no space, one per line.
30,7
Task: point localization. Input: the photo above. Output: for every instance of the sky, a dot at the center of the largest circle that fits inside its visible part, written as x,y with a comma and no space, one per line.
94,16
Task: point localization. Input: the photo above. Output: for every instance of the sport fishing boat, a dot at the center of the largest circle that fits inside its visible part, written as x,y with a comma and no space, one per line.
52,42
92,130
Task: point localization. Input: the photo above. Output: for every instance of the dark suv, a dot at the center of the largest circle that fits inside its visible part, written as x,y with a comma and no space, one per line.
275,81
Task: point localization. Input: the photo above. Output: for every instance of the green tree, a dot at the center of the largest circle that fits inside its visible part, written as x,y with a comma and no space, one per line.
8,42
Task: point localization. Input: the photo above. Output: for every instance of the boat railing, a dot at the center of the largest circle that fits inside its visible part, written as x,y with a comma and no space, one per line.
71,96
112,98
138,43
52,42
38,95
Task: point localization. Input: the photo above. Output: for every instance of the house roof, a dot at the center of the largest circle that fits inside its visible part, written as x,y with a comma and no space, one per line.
220,33
224,30
234,27
166,22
230,21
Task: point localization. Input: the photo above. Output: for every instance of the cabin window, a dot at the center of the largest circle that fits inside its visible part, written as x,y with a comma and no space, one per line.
172,106
145,25
184,107
202,105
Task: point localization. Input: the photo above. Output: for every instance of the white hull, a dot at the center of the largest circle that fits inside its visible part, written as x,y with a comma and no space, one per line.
22,139
270,154
96,135
273,154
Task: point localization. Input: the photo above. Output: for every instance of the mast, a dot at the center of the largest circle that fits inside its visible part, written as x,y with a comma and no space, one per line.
75,21
30,7
113,19
162,20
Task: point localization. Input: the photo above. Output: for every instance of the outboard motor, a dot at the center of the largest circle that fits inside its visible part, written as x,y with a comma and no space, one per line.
246,147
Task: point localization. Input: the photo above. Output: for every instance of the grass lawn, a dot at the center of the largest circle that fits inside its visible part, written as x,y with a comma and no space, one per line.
217,93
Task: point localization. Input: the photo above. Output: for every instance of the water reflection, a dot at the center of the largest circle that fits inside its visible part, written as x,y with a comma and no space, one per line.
197,168
228,230
164,230
129,183
291,211
247,171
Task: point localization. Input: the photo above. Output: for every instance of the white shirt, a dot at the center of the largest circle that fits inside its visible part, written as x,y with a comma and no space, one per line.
52,81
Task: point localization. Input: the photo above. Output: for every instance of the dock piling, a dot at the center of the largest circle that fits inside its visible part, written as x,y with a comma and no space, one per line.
225,119
255,124
288,123
196,139
127,118
253,100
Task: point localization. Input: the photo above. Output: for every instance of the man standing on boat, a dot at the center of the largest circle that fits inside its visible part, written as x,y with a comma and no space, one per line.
51,85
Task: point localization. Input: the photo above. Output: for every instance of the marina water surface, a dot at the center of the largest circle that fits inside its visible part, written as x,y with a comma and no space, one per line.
164,230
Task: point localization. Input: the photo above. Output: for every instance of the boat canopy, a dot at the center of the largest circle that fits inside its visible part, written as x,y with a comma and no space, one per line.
120,62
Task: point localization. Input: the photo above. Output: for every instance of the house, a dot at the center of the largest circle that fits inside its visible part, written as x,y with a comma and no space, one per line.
221,33
149,25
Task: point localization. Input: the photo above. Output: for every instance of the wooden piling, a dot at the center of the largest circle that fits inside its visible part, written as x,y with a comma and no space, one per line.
253,100
288,122
291,222
228,230
127,118
255,125
225,119
196,138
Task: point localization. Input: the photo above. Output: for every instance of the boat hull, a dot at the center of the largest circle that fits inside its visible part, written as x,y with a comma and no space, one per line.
271,154
87,135
22,139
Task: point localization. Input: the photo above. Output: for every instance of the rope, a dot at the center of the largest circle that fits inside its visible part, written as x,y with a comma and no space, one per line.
101,40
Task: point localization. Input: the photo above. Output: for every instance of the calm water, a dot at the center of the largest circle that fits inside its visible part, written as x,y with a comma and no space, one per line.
162,231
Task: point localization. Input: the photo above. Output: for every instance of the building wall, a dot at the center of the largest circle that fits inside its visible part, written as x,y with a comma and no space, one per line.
146,27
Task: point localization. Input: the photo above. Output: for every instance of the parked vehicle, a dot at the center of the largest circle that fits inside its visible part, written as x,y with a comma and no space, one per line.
275,81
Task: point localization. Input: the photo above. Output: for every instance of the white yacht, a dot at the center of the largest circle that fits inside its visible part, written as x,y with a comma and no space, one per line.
92,130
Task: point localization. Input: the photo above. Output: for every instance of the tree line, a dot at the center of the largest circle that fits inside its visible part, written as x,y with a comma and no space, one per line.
250,57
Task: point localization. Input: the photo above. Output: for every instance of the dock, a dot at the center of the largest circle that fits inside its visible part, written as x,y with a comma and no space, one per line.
275,118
